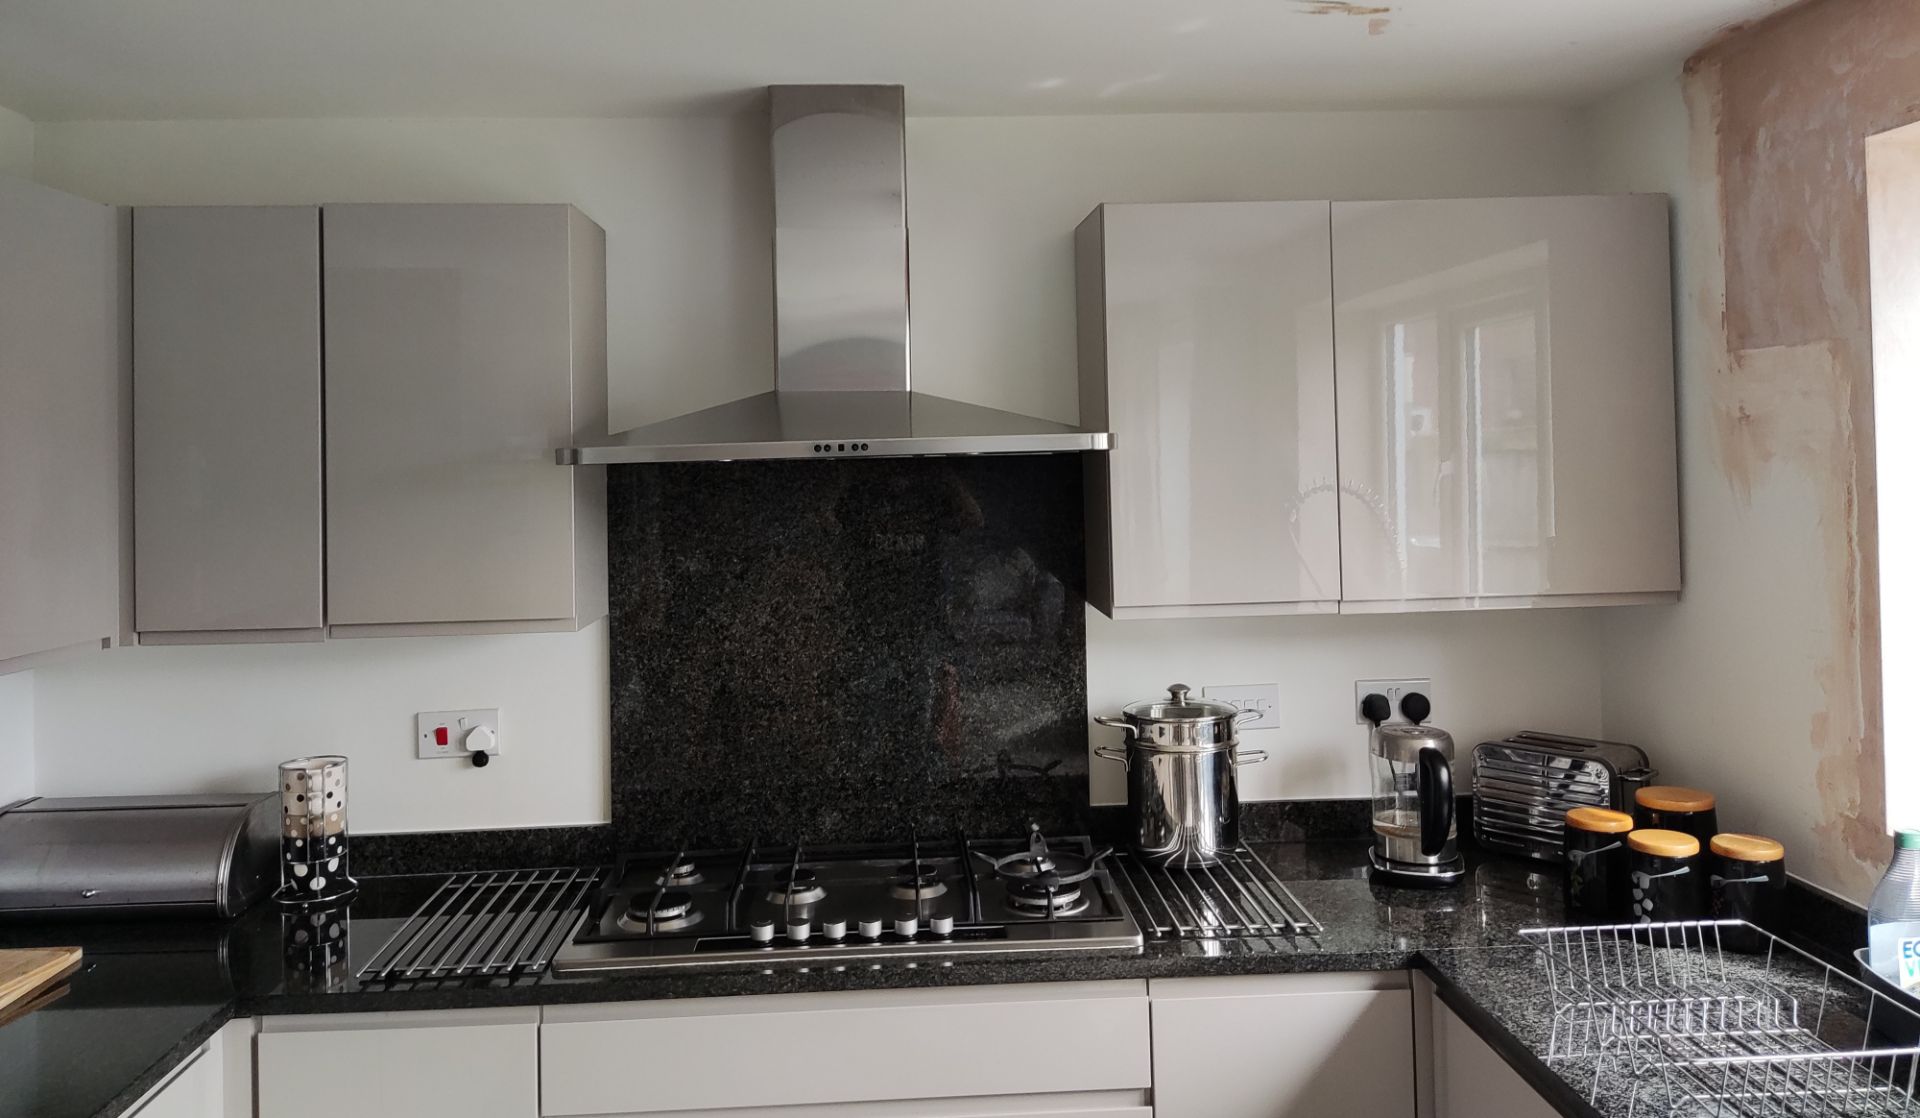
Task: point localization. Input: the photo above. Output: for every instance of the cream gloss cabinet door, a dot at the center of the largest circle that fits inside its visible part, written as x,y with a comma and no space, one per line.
428,1064
62,374
1283,1046
1206,348
1470,1080
1506,402
464,344
226,424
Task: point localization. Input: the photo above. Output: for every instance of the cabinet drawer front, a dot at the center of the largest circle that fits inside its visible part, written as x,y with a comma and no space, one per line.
456,1070
843,1048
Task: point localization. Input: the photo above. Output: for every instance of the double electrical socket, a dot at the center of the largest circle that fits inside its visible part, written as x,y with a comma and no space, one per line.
1261,698
1394,690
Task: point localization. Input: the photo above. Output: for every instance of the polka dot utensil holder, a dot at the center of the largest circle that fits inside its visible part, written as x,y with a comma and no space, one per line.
313,832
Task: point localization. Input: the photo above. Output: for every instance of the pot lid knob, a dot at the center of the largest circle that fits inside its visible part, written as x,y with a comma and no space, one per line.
1179,693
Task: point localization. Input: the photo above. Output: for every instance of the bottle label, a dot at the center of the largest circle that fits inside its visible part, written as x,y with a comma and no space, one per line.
1907,954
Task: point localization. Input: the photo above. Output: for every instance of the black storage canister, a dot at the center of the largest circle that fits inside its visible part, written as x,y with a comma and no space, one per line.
1669,881
1595,879
1669,807
1749,881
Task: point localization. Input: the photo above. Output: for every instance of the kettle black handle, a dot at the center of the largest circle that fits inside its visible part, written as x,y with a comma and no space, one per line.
1436,800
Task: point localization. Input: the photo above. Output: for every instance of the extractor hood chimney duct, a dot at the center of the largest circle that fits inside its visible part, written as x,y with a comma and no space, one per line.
843,384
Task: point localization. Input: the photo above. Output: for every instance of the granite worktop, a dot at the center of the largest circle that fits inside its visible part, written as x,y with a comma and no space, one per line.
150,994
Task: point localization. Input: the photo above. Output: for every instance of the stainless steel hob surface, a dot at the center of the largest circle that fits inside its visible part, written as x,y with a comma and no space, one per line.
831,905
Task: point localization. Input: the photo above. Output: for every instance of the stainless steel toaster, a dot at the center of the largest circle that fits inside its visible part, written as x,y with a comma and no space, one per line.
1523,787
202,856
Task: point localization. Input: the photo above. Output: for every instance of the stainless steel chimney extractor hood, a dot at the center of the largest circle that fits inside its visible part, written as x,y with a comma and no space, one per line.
842,385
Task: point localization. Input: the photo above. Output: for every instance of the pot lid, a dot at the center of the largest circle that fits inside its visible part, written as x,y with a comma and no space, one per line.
1179,706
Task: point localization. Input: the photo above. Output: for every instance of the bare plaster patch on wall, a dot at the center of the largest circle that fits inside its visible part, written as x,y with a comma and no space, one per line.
1787,105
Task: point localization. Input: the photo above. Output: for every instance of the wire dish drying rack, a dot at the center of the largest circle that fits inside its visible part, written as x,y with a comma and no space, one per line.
1698,1029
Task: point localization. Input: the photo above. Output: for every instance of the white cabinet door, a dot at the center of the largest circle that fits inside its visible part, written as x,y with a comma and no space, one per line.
1206,348
62,370
226,423
840,1049
453,1064
1283,1046
464,345
197,1090
1505,373
1470,1080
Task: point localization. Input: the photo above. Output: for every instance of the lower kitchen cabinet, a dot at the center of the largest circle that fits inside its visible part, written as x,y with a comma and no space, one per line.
430,1064
1471,1080
215,1082
1076,1049
1283,1046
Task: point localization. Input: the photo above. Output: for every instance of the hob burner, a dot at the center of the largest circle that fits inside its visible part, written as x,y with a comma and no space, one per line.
659,911
1063,900
680,873
798,885
917,881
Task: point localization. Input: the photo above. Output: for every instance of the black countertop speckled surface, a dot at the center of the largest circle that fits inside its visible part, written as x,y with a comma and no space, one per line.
148,995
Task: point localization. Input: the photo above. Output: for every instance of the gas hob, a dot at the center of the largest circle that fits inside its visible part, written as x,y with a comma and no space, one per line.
829,906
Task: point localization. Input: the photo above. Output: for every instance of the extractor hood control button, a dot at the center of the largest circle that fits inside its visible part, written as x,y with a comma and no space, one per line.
799,933
870,929
835,930
906,926
941,925
761,930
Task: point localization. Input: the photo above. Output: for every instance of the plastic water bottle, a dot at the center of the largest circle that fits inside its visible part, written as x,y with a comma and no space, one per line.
1893,917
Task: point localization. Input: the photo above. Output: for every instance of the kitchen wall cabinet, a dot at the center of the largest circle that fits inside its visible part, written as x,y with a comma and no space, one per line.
62,399
227,390
1378,406
1206,348
1283,1046
426,1064
1073,1048
464,344
1506,423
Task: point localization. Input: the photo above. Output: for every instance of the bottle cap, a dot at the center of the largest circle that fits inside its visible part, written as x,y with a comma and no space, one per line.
1907,840
1664,844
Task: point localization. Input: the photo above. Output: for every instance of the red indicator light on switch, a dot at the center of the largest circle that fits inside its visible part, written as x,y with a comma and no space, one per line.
439,735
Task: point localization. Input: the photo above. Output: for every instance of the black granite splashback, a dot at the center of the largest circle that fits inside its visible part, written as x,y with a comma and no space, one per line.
836,650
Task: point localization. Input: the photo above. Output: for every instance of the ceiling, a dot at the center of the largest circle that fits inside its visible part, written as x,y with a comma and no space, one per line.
162,59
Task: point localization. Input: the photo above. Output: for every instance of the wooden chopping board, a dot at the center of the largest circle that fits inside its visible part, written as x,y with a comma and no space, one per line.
28,972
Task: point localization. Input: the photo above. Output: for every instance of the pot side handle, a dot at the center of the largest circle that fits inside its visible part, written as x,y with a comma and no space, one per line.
1111,753
1120,724
1248,756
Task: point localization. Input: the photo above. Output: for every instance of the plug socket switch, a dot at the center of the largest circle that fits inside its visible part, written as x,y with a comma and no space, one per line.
469,734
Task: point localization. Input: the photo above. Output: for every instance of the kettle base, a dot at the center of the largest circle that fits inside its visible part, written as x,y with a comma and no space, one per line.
1440,875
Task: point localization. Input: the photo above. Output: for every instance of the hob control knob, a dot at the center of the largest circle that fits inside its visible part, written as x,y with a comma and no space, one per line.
870,929
835,930
761,930
906,926
941,925
798,933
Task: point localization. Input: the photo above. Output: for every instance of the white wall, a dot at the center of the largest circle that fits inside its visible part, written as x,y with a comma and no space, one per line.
16,691
16,737
169,719
1722,687
993,203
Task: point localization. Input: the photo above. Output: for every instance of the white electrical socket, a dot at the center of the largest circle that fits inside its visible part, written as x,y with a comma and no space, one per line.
1261,698
1394,690
457,724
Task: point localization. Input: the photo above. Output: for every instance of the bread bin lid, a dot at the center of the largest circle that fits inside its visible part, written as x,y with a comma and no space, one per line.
172,853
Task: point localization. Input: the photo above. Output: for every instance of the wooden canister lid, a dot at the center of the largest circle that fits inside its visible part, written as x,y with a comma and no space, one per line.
1600,820
1672,797
1747,848
1664,844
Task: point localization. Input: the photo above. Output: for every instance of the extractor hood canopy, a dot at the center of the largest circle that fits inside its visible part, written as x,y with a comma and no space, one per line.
843,386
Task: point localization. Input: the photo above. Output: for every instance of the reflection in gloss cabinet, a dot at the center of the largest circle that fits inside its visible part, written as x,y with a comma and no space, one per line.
1505,400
